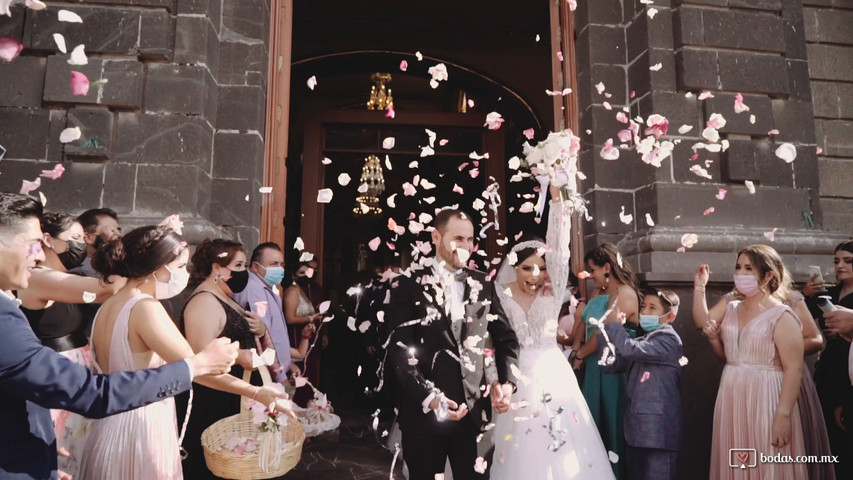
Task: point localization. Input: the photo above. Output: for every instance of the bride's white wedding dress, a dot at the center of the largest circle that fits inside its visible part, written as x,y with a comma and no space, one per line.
551,435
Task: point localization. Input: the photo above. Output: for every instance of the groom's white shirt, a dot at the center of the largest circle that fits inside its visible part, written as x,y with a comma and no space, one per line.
454,292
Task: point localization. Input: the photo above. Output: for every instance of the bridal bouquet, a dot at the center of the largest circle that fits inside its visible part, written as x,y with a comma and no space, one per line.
554,161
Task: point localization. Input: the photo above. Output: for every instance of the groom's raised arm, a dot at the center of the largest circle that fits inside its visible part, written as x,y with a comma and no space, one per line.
400,313
504,338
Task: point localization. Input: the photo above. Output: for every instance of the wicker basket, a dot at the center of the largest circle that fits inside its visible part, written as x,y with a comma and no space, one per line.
228,464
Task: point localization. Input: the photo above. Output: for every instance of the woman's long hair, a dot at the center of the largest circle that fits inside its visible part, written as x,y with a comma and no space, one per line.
608,254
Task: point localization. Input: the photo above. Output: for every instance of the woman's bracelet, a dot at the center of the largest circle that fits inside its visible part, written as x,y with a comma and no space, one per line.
257,390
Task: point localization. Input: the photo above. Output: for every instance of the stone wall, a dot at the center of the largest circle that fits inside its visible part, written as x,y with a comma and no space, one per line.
177,128
829,37
754,47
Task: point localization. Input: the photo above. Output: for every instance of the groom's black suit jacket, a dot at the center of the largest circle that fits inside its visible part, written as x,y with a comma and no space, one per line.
413,301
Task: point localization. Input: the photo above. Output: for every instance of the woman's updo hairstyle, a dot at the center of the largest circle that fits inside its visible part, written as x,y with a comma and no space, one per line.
522,254
219,251
138,253
54,224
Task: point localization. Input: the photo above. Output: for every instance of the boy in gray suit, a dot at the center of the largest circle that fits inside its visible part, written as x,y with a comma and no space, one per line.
654,423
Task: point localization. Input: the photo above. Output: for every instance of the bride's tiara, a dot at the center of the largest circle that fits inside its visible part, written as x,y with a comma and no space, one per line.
528,244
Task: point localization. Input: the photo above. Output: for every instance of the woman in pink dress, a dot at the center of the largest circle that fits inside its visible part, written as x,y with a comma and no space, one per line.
760,338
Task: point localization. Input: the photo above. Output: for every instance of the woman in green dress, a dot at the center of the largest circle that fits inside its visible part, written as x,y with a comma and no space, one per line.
617,291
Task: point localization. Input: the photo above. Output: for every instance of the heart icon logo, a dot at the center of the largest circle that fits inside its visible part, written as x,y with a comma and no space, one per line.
742,456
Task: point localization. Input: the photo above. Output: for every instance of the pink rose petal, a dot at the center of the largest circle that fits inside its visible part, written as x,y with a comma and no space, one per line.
458,189
740,107
9,48
645,377
443,142
404,65
560,56
529,133
261,308
390,113
608,152
622,117
54,174
79,84
721,193
28,186
709,211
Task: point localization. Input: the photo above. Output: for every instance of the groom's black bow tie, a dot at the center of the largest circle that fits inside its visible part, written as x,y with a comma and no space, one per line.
460,275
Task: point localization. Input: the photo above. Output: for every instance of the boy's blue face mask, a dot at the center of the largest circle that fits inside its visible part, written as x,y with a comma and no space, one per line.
650,323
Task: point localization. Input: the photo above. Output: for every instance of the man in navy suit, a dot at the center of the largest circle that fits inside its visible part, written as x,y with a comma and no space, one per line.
654,423
34,378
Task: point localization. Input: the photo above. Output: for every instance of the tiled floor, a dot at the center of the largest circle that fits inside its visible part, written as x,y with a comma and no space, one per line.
353,452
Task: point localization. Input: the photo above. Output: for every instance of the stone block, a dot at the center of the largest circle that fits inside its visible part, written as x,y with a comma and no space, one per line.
771,5
241,108
79,188
677,108
582,51
836,137
186,89
96,125
684,206
166,188
236,154
104,29
688,27
837,215
788,116
845,100
682,162
123,88
193,36
753,72
605,207
759,105
697,69
237,58
615,83
248,19
833,26
13,26
773,171
25,133
826,99
163,139
229,206
194,6
204,199
156,34
743,30
607,45
806,168
55,148
119,187
830,62
257,79
810,25
794,30
739,161
247,235
643,80
835,177
799,81
23,82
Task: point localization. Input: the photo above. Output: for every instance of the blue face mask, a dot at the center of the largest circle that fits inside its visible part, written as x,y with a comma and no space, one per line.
650,323
274,275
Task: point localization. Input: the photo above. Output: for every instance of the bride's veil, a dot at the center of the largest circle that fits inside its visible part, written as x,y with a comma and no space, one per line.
506,274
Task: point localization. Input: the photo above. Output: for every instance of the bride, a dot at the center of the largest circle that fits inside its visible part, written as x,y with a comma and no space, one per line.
550,435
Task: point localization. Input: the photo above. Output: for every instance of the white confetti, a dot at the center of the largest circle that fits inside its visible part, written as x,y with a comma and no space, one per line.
684,129
89,297
419,56
327,161
749,186
682,361
68,16
514,163
70,134
787,152
463,254
42,199
363,328
625,218
652,12
265,189
78,56
431,136
388,163
312,82
771,235
649,220
752,119
700,172
388,143
390,201
60,42
427,185
614,458
306,257
711,134
325,195
656,67
344,179
427,151
599,87
299,244
351,323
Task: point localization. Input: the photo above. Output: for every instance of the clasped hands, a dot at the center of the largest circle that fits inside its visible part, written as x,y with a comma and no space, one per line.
500,395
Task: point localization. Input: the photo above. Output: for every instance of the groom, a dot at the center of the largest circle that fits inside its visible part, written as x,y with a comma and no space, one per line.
444,316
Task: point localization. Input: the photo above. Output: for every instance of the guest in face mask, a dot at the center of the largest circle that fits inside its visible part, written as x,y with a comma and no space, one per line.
298,313
654,423
60,307
219,268
100,225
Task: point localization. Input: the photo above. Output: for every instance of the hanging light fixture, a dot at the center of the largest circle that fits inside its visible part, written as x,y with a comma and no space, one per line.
380,98
371,187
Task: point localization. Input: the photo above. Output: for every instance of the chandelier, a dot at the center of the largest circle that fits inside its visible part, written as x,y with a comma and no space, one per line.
371,187
380,99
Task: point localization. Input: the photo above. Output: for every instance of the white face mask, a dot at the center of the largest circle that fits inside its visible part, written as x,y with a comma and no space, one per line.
177,283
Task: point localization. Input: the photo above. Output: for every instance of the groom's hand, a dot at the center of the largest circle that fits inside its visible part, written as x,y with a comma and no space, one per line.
501,396
455,412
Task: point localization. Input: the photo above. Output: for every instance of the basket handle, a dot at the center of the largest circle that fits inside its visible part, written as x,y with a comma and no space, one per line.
247,376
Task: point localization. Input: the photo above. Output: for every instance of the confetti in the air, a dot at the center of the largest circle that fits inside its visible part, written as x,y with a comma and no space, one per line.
787,152
652,12
529,133
388,143
684,129
324,195
79,84
28,186
312,82
404,65
68,16
689,239
54,173
625,218
649,220
265,190
771,235
740,107
89,297
299,244
10,48
344,179
609,152
60,42
656,67
749,186
78,56
721,193
438,73
493,121
70,134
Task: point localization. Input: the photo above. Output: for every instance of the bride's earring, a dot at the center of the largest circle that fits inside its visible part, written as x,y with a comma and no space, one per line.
606,280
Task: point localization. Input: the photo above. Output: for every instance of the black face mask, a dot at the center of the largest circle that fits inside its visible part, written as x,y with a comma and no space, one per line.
238,281
74,254
303,281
